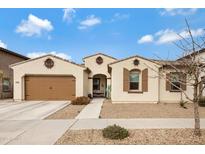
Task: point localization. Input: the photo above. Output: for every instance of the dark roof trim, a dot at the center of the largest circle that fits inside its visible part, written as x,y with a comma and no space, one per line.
99,54
136,56
46,56
191,54
13,53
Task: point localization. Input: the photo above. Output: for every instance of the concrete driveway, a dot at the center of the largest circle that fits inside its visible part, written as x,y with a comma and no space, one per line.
31,110
33,132
22,123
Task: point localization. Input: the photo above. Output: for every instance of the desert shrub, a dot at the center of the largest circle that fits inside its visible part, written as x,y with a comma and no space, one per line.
115,132
81,101
202,101
182,104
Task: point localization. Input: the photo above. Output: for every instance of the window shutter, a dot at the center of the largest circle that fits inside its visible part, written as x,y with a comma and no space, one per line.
168,85
125,79
183,77
145,80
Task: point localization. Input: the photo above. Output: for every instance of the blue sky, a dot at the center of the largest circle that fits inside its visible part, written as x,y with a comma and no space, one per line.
76,33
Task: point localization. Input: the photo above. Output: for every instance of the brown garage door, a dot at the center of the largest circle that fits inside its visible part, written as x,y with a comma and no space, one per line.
49,87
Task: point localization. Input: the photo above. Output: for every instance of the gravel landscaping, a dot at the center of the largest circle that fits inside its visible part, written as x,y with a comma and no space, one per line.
161,110
137,136
68,112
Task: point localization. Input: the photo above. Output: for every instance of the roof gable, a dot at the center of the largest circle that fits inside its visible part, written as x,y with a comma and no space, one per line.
136,56
102,54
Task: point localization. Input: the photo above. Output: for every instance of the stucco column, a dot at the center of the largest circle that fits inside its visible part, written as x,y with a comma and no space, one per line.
108,90
90,86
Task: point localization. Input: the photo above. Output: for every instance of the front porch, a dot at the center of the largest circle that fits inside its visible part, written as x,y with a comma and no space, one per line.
99,85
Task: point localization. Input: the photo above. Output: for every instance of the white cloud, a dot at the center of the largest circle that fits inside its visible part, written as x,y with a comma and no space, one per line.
118,16
89,22
34,26
39,54
168,35
173,12
69,14
3,45
146,39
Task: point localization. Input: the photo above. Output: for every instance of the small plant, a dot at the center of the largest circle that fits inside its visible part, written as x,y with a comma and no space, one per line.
202,101
115,132
108,92
81,101
90,96
182,104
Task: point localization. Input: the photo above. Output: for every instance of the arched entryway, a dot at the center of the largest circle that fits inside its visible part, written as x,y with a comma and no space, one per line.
99,85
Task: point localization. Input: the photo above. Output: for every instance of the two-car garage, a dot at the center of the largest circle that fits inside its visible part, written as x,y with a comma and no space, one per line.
40,87
48,78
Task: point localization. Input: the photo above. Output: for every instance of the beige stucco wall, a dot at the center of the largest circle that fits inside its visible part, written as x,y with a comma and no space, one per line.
85,84
172,97
95,68
201,57
117,93
36,66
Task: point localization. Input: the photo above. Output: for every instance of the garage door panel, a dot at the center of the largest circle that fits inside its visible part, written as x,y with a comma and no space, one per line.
49,87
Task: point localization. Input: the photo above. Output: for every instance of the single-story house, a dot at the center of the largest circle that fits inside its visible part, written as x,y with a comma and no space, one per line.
131,80
8,57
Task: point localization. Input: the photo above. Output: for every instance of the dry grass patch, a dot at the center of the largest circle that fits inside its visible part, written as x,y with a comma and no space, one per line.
161,110
68,112
137,136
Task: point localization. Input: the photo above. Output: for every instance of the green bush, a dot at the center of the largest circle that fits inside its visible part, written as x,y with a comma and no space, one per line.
202,101
115,132
81,101
182,104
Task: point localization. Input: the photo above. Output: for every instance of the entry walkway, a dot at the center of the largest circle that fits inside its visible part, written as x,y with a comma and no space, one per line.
92,110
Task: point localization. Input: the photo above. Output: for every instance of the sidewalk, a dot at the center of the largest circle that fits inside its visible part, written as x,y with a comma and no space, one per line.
49,131
92,110
136,123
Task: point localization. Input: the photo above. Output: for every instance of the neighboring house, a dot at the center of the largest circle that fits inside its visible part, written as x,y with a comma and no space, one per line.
7,58
130,80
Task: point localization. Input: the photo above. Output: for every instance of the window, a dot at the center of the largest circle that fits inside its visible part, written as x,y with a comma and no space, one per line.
134,80
175,82
96,84
6,85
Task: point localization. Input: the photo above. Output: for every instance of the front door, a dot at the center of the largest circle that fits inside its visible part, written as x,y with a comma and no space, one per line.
96,84
98,91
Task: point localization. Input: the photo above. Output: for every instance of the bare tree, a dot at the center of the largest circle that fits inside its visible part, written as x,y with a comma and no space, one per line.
191,69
